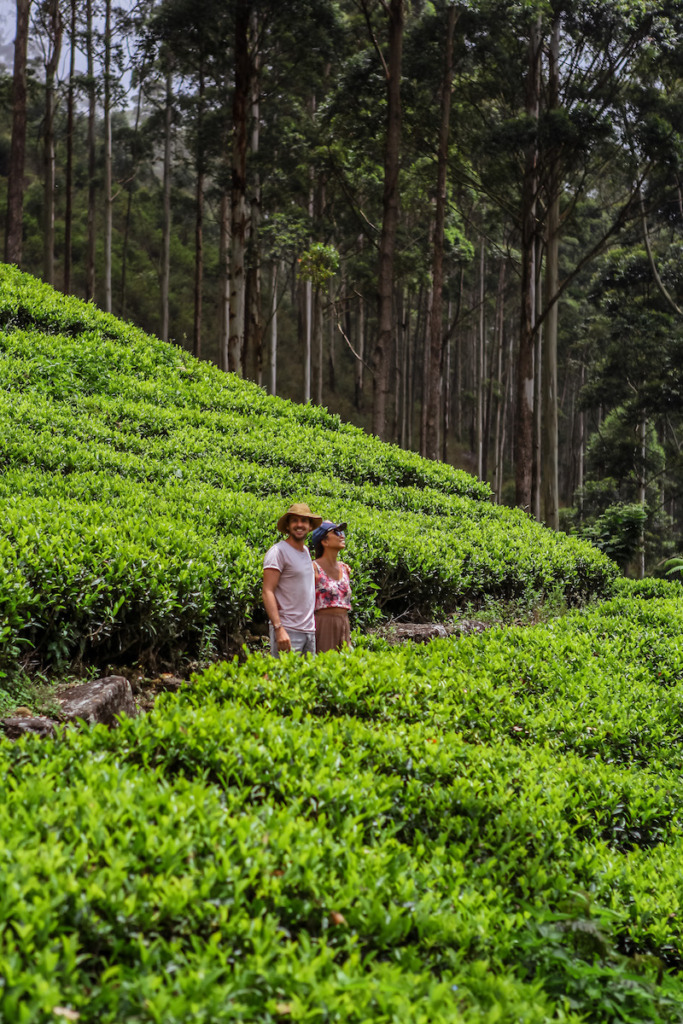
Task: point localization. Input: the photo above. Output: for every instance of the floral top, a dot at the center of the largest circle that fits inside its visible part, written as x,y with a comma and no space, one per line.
331,593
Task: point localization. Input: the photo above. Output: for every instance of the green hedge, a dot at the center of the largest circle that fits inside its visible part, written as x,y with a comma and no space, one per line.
140,489
459,833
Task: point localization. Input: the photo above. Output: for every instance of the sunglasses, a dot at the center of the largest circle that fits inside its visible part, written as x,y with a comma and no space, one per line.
338,533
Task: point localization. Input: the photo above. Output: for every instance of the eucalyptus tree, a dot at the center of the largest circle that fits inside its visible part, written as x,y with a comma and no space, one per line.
15,177
200,44
48,29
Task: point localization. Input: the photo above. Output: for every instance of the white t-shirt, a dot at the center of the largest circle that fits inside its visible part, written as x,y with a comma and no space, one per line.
295,592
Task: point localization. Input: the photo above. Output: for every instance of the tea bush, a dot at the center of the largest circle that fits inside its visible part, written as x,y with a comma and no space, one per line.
487,829
140,489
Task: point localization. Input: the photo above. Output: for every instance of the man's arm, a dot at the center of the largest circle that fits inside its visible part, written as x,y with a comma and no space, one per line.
271,578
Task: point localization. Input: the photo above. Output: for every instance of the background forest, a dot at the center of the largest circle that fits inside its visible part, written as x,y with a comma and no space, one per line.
457,225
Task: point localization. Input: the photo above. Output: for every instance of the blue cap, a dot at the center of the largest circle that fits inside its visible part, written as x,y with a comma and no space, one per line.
322,531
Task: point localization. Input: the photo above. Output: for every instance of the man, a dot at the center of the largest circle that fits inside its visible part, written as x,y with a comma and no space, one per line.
289,584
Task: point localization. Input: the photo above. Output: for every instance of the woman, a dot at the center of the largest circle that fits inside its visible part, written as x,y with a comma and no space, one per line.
332,588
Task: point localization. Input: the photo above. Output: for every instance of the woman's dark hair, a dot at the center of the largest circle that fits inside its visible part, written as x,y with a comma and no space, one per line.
319,548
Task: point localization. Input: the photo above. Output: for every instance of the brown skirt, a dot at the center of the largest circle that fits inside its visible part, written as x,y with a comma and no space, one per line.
332,630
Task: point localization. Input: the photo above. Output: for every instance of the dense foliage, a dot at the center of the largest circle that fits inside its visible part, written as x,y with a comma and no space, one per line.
249,159
140,488
485,830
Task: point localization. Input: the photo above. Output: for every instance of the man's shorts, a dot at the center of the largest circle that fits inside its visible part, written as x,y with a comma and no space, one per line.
302,643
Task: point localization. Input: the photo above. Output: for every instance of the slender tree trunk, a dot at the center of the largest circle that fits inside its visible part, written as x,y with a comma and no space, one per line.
69,174
405,363
507,407
536,467
108,195
549,376
199,224
319,337
360,345
273,330
308,357
481,361
497,453
308,291
15,184
494,362
581,448
642,495
331,328
458,367
51,65
525,376
426,365
436,334
382,356
447,389
240,103
360,349
224,280
254,331
126,226
166,210
90,268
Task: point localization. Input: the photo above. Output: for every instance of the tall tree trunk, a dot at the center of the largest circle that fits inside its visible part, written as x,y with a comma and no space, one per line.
481,361
90,268
108,196
497,453
642,494
447,388
413,376
308,292
166,210
494,363
126,226
382,356
536,466
405,363
525,375
254,331
359,377
51,65
426,362
319,338
238,239
273,330
224,281
549,460
436,333
69,183
17,158
331,335
360,361
581,446
199,223
308,312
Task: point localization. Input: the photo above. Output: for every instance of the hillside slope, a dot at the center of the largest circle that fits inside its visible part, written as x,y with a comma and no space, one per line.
486,829
141,487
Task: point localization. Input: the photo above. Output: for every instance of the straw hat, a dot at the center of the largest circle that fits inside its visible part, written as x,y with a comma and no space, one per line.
299,509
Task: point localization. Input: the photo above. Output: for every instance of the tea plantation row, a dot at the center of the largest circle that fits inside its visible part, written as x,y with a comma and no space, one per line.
140,488
488,829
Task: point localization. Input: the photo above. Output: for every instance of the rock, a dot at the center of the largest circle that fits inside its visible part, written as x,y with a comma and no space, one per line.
100,701
419,632
423,632
466,626
24,725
